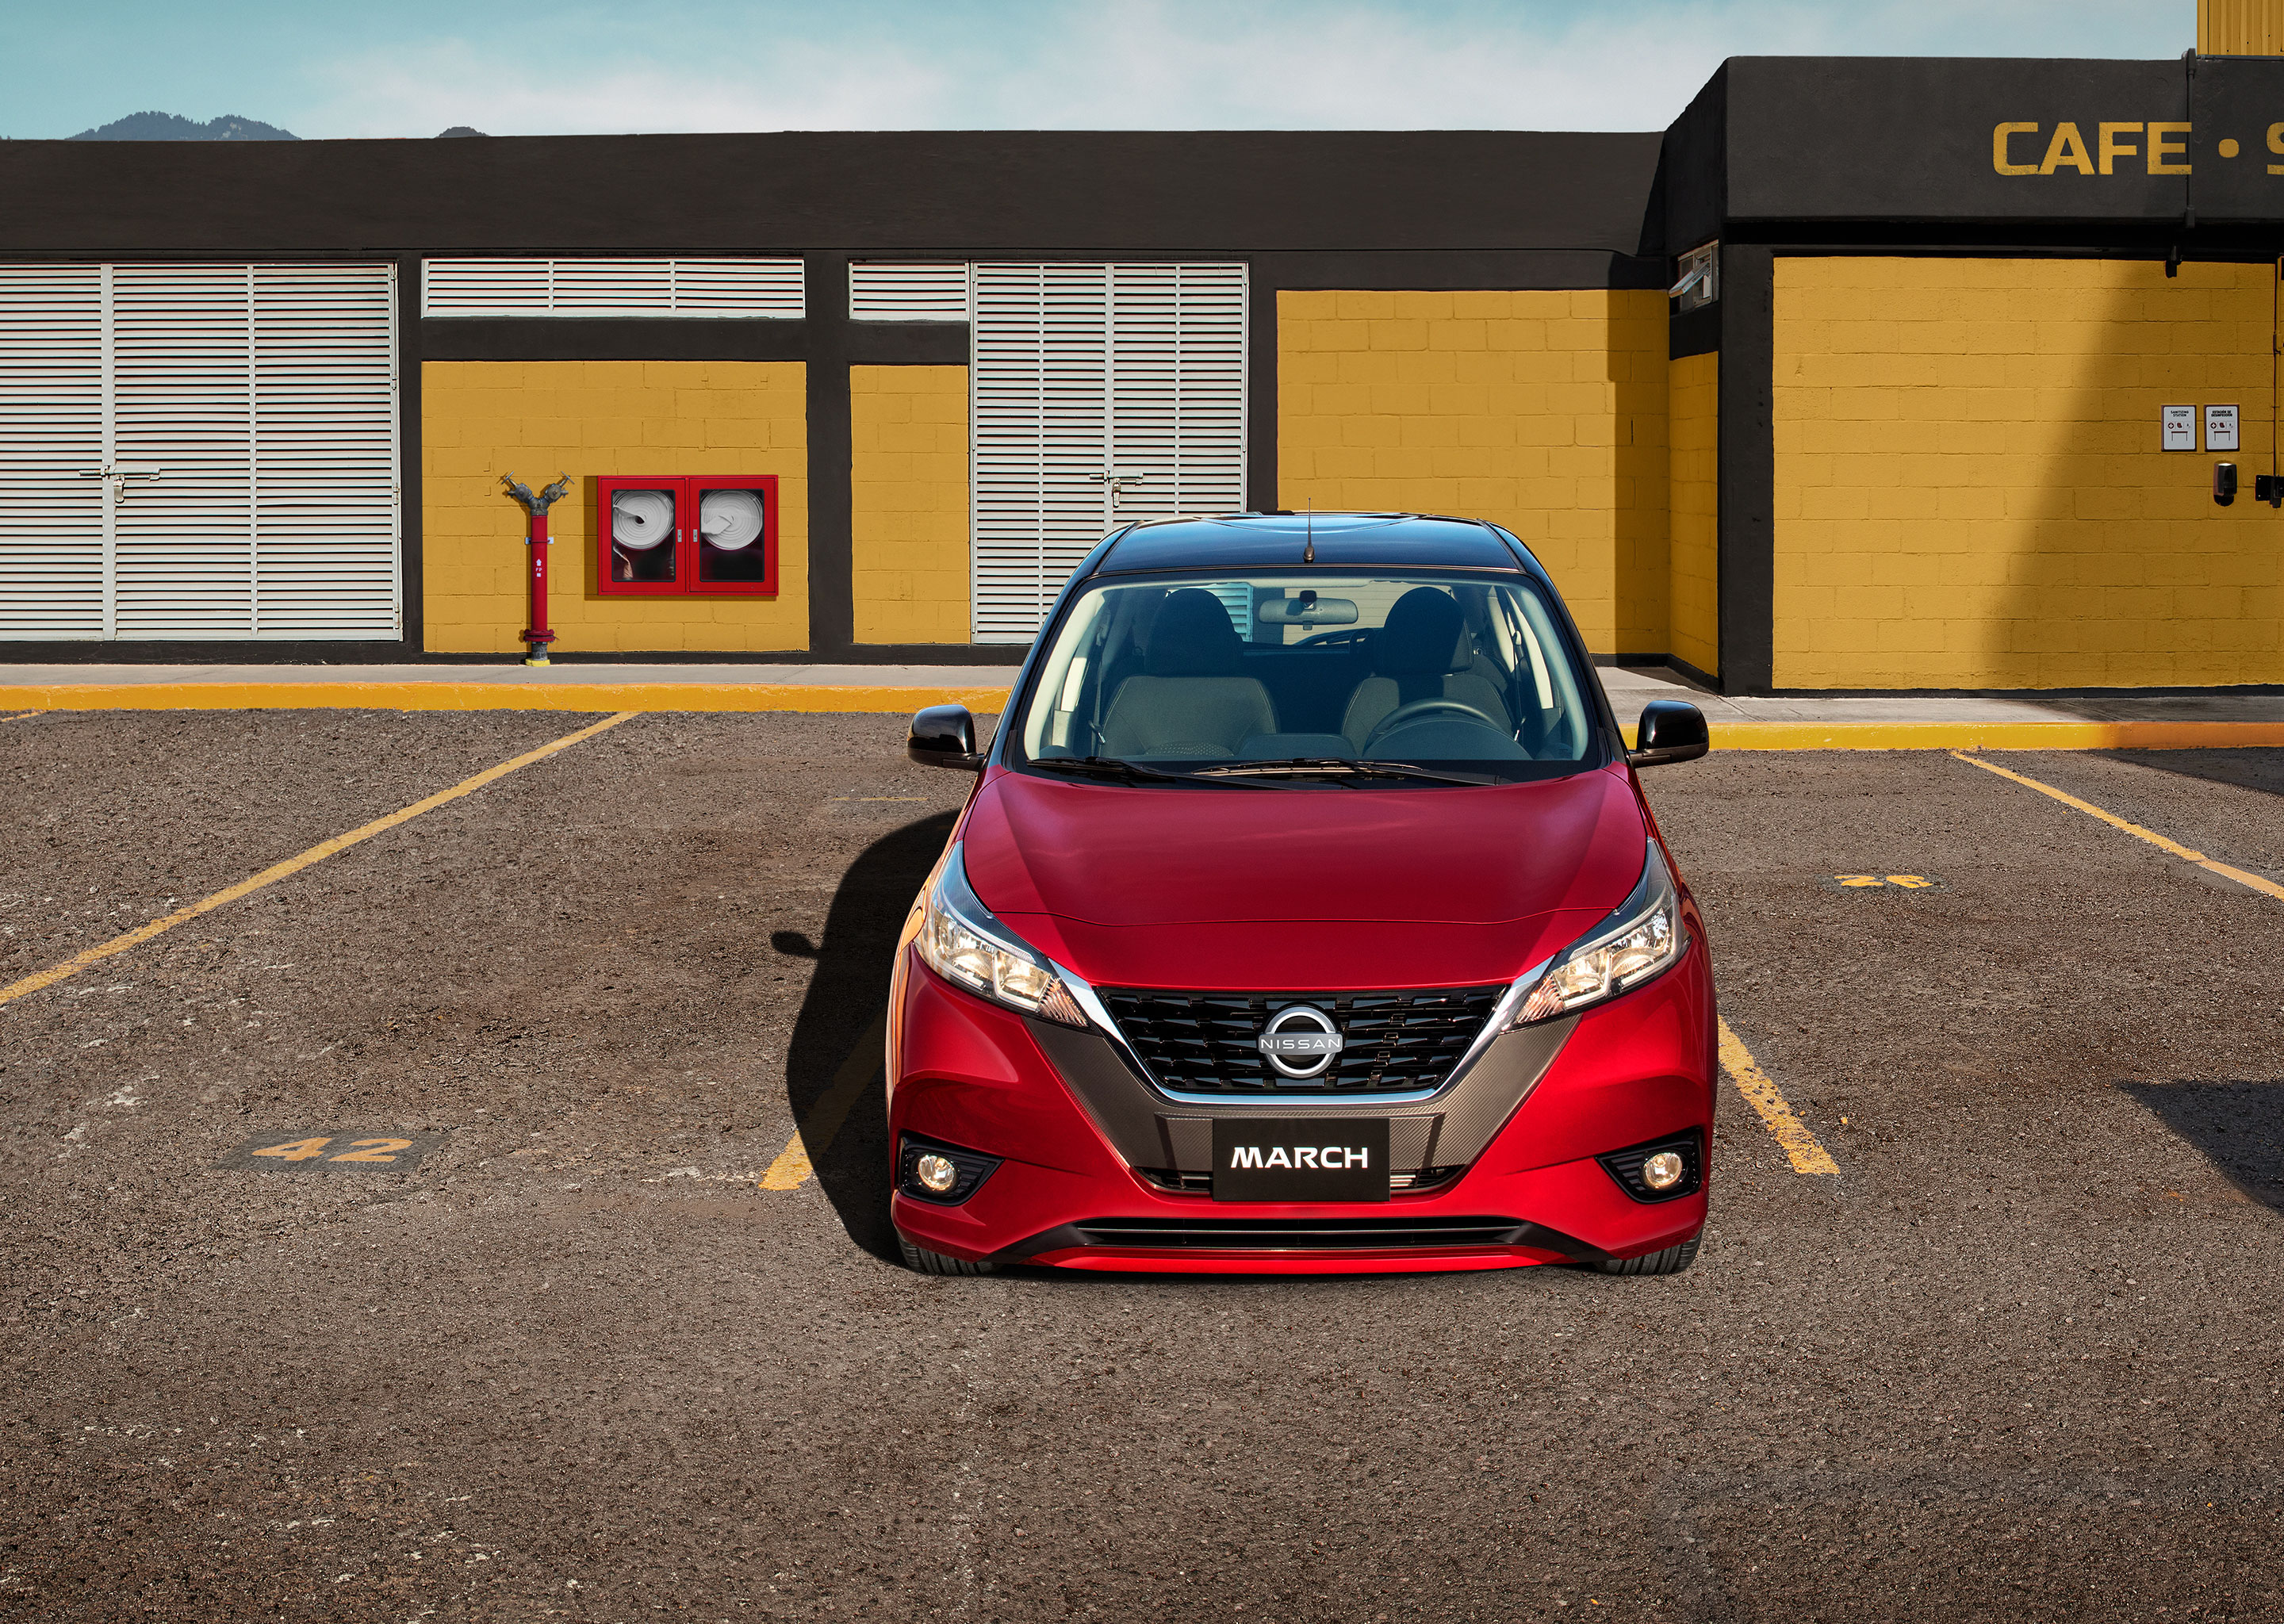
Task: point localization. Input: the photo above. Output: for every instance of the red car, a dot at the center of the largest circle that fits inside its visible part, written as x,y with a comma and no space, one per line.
1306,916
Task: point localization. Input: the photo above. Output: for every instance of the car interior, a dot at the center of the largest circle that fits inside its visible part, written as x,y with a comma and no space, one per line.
1374,668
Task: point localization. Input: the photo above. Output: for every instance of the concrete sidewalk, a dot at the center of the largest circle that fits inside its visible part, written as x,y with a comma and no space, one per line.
1901,721
2218,720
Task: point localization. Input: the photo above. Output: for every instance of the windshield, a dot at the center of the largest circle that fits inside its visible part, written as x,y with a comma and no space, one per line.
1223,680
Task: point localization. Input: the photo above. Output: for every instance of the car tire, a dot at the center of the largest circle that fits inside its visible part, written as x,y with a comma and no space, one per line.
920,1261
1672,1260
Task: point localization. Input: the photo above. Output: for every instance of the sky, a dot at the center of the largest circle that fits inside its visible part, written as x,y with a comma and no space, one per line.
414,67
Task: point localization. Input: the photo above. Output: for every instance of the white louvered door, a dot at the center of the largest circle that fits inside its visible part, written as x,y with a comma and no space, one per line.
51,451
1101,394
182,392
232,433
324,452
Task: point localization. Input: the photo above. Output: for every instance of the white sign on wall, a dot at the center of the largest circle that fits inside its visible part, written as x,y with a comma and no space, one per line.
2220,428
2180,427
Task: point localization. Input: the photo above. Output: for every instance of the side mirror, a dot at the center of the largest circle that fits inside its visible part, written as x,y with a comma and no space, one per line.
1671,731
944,736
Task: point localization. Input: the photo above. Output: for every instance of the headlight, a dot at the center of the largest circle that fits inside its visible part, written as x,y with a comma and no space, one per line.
988,959
1642,939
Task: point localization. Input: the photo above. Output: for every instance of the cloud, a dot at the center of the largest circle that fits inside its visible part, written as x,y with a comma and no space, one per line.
804,86
1163,64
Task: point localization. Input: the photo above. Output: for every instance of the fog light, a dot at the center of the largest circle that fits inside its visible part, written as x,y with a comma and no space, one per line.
1663,1169
938,1173
930,1170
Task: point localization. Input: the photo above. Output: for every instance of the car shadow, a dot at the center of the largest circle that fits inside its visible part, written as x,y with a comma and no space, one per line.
848,991
2238,1126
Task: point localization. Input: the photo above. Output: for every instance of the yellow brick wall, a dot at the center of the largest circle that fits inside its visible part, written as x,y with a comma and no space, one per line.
1541,411
482,418
908,481
1693,426
1970,489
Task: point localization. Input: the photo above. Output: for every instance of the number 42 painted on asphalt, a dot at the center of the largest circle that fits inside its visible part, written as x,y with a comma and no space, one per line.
1881,882
303,1150
361,1150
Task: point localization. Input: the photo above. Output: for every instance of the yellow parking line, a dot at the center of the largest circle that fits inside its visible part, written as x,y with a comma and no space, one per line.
814,1136
20,716
276,871
2266,887
1763,1095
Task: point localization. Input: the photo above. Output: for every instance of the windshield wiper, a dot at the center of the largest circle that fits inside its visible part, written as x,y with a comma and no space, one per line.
1338,767
1110,766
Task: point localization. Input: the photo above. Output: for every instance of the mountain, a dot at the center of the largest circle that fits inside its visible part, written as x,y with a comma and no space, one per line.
171,126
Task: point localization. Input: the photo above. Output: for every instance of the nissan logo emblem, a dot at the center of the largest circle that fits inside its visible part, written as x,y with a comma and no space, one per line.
1300,1041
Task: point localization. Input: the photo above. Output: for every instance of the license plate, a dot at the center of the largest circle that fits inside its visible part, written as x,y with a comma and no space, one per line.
1300,1158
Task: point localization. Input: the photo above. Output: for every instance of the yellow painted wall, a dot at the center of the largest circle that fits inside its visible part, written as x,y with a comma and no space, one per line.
908,479
1541,411
1970,489
1694,427
2241,27
482,418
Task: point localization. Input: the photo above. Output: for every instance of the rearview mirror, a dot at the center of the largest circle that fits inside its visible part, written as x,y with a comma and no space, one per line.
1670,730
944,736
1306,609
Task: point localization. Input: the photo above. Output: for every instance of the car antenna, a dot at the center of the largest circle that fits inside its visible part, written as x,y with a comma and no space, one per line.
1308,527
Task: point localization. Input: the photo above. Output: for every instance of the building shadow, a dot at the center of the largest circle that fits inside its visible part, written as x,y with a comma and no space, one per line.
848,990
2261,770
2238,1126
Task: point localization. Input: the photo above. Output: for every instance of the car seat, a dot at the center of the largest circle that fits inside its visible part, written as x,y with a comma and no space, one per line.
1422,652
1192,698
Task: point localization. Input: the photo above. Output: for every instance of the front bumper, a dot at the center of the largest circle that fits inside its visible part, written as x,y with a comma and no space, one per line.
1078,1129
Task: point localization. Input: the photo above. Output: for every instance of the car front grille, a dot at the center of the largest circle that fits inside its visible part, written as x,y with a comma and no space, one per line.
1401,1041
1298,1235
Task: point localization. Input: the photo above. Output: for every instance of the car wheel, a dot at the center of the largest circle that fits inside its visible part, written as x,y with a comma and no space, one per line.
1672,1260
921,1260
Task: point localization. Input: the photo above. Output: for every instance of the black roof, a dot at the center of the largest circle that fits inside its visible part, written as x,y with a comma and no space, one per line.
1279,540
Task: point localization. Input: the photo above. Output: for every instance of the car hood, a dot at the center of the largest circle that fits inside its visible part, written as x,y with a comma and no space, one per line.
1322,888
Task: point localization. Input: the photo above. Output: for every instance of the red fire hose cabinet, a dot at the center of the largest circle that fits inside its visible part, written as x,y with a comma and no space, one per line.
695,533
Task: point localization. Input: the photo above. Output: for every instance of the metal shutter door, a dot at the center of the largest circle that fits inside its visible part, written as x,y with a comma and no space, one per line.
1177,397
51,450
324,451
1041,436
1087,374
247,416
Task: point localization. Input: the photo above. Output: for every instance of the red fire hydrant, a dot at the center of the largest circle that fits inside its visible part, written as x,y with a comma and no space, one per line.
537,634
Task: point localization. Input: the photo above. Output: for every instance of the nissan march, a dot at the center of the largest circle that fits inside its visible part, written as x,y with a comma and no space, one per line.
1306,916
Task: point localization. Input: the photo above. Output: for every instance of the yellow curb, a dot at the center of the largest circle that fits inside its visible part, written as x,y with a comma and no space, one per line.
1994,735
446,696
450,696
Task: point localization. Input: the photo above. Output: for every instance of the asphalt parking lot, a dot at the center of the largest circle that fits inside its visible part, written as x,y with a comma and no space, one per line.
566,1357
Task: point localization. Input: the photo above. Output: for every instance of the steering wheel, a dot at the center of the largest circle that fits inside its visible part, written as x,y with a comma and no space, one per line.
1404,713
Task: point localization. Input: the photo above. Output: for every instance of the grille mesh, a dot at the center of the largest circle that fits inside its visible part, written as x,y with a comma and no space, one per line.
1394,1042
